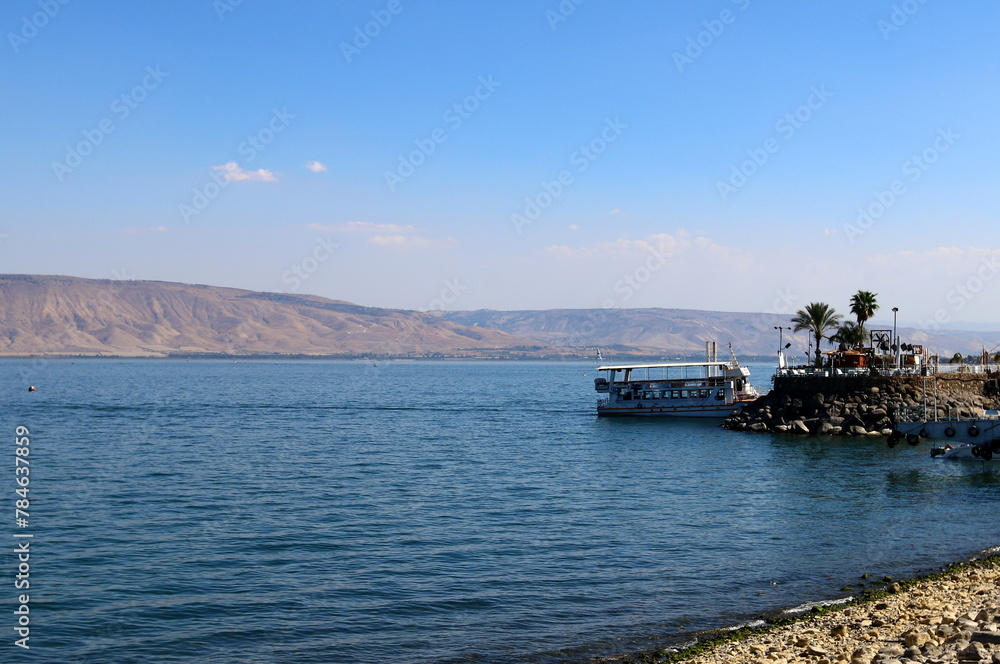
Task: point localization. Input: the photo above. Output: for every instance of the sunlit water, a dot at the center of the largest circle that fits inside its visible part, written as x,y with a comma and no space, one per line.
211,511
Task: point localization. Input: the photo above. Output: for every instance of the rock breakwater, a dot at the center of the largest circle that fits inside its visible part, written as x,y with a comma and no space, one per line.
861,405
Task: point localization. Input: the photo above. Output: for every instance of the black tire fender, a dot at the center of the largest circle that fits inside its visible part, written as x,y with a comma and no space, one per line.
949,432
973,431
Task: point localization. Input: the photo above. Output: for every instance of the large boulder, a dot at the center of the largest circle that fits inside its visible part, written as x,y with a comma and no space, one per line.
798,426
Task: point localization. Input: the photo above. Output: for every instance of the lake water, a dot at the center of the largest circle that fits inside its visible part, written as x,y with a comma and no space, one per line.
300,512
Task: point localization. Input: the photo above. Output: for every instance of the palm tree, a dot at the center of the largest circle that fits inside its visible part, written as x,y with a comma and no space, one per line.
863,306
850,334
818,318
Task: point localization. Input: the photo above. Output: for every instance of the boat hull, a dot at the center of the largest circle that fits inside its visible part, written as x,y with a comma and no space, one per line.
972,430
974,438
718,412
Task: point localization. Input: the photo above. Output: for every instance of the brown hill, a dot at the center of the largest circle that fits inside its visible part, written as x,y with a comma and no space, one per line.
674,331
685,331
74,316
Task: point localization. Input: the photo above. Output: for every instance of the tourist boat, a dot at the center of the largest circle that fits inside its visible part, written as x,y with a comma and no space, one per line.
709,389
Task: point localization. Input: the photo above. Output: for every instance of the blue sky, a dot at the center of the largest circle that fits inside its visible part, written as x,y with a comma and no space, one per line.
727,155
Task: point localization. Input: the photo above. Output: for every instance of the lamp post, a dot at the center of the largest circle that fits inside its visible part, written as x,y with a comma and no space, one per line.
781,346
781,331
895,340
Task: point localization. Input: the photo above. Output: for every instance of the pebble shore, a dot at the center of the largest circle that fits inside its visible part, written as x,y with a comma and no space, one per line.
951,619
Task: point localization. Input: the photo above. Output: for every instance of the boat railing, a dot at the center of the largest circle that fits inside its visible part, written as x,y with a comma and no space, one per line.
915,414
967,368
826,372
929,413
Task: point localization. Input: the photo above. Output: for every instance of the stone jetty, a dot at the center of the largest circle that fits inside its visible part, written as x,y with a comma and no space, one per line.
862,405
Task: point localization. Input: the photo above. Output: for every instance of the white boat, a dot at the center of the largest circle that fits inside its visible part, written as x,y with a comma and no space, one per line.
964,451
709,389
974,437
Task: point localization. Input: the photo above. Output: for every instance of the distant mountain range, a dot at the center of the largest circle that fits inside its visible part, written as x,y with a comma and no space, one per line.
683,332
654,331
74,316
58,315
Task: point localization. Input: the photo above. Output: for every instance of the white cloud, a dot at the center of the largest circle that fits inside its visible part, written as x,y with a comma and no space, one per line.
574,227
365,227
152,229
412,242
616,211
316,166
400,236
235,173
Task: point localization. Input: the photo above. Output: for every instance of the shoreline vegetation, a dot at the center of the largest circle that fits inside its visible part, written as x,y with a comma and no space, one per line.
950,615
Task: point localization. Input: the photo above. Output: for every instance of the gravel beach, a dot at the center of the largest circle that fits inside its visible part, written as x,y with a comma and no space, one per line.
953,618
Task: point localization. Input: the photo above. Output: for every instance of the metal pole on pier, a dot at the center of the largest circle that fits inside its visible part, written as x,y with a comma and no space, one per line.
895,339
781,345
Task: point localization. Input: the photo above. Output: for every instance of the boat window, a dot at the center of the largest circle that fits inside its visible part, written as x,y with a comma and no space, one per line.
720,395
684,394
676,394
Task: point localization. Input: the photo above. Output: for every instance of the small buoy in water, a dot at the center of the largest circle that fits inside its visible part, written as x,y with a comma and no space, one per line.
31,388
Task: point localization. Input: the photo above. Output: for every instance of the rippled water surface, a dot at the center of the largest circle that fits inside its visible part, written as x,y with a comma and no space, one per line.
214,511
